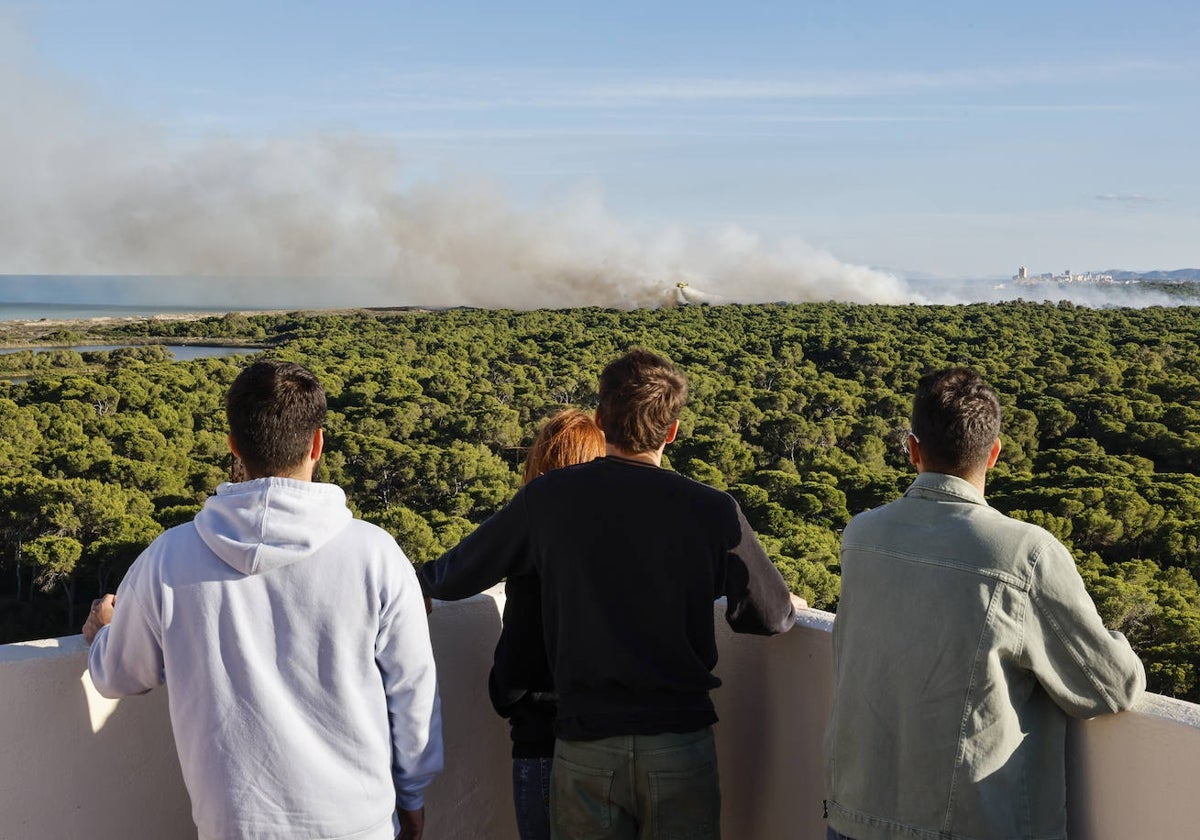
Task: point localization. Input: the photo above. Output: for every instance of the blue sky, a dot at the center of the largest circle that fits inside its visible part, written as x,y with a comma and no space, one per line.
954,139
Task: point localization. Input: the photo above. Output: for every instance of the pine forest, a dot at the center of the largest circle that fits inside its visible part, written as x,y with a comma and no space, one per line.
800,411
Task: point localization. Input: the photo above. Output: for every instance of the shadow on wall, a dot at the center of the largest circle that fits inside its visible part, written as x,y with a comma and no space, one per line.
775,697
77,764
75,796
473,798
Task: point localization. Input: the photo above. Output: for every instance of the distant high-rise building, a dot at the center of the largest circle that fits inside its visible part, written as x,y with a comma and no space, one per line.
1024,278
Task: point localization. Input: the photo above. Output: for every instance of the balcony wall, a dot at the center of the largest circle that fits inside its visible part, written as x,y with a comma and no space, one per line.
78,765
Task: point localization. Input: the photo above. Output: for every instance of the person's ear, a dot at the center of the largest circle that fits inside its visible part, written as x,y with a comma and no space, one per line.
318,445
914,451
599,424
672,432
994,455
232,448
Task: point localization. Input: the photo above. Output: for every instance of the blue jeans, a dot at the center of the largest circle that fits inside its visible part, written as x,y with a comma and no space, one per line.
531,797
636,787
830,834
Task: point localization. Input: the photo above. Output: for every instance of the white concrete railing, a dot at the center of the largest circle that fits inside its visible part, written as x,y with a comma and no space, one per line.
77,765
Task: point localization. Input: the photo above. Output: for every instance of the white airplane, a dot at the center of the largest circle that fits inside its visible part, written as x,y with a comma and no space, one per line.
685,295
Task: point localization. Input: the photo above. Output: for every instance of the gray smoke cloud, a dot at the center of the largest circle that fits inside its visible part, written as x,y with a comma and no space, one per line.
86,191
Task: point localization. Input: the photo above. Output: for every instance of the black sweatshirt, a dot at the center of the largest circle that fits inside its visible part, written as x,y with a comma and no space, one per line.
520,683
630,559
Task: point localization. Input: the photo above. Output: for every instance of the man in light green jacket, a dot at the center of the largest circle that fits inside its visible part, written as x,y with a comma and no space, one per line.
963,641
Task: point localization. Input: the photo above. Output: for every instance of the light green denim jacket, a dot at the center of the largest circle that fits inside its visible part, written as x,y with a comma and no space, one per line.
963,640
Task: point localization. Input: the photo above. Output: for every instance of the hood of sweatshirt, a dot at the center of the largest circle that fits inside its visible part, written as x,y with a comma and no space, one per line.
259,525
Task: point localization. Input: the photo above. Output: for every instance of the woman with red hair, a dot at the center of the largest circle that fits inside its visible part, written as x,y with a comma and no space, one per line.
521,684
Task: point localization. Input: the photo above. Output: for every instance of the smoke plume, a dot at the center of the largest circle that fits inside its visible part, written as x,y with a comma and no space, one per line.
86,192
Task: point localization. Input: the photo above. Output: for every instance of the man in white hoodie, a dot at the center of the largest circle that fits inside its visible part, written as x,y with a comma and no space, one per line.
293,637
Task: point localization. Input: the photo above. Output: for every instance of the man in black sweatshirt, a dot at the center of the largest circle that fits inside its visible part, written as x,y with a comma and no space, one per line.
630,558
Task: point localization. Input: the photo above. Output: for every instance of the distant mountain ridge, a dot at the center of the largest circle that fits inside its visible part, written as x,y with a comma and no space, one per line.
1179,275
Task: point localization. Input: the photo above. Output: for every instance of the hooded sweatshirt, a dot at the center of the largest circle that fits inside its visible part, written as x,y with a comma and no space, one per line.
294,641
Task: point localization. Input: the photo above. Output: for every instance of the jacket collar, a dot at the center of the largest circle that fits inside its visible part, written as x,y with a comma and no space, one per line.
941,487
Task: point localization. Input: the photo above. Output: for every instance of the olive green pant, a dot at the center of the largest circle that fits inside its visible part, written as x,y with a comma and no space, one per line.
636,787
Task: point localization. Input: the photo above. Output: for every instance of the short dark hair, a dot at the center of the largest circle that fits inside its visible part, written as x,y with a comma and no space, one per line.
955,419
641,395
274,409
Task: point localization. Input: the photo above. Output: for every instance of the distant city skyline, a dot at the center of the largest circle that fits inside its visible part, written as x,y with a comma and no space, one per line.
931,139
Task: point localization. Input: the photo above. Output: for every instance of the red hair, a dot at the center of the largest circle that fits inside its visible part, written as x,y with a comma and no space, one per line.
569,437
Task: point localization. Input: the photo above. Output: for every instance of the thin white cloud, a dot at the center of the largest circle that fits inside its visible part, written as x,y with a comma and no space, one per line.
672,133
466,88
814,118
376,93
841,85
1059,107
1134,198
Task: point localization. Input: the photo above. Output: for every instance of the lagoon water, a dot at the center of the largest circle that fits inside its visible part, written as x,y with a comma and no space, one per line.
180,352
19,301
